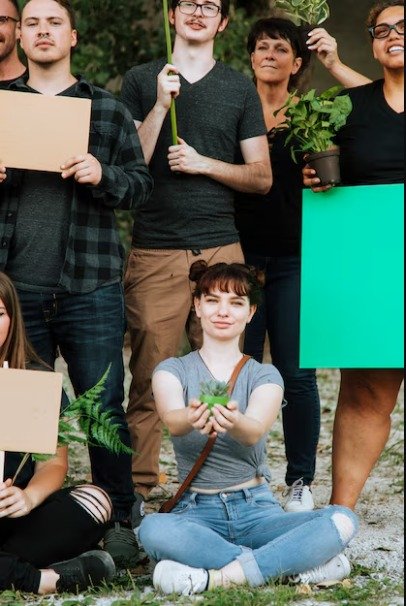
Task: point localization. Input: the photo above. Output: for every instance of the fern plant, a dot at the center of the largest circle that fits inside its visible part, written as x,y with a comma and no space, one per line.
305,11
84,422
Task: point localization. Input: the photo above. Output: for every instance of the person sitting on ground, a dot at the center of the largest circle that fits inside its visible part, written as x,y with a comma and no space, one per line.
228,528
45,531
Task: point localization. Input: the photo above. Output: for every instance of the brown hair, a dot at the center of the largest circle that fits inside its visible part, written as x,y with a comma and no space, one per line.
379,7
67,5
16,350
244,280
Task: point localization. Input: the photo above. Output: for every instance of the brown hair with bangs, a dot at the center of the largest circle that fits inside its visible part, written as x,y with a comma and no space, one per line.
16,350
244,280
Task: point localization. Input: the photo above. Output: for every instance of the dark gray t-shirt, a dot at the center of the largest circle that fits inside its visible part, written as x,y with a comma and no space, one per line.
230,463
38,247
214,115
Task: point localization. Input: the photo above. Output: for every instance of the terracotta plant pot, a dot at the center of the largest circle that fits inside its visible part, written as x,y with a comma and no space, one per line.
327,166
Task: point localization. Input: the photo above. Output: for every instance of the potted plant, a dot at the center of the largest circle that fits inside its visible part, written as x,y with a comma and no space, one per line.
214,392
312,12
313,121
307,14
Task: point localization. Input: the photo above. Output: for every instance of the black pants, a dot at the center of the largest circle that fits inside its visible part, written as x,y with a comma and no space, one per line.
57,530
279,316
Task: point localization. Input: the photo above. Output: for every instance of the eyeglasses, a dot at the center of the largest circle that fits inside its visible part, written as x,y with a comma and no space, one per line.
4,19
208,10
384,29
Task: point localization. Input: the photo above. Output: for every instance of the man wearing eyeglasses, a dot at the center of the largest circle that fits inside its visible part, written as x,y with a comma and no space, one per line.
191,213
11,67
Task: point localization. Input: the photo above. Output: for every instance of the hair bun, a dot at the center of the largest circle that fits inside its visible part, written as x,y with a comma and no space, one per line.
197,270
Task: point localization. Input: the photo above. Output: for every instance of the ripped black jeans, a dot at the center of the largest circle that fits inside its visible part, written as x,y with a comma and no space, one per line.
59,529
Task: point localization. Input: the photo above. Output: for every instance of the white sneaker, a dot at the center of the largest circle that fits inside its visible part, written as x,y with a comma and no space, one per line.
299,498
336,569
172,577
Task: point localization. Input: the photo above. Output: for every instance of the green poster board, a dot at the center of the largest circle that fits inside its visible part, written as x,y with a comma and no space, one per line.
352,285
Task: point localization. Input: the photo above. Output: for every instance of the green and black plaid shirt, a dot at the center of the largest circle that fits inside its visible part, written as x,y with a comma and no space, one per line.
94,254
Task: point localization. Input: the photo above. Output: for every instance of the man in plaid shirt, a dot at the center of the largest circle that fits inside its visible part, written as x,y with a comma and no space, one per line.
59,243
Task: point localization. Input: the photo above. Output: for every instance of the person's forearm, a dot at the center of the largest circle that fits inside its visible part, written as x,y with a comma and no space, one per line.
150,129
346,76
45,482
255,178
247,431
177,422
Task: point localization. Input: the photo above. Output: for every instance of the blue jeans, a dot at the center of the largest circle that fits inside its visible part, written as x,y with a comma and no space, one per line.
279,316
88,330
249,526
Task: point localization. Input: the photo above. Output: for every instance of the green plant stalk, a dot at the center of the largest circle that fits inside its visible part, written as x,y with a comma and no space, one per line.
174,121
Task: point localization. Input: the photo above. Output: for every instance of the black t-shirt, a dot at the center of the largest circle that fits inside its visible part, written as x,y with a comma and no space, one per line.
372,141
270,225
4,84
214,115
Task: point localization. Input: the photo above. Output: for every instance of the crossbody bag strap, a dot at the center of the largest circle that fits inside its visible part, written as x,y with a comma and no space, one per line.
170,503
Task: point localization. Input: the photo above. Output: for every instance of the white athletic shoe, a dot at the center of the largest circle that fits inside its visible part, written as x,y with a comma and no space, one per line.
299,498
172,577
336,569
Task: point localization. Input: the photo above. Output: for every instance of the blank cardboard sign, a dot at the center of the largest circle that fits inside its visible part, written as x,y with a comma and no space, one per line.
29,410
39,132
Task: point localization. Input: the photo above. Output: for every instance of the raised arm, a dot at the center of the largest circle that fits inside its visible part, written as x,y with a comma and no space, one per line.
168,88
325,46
253,177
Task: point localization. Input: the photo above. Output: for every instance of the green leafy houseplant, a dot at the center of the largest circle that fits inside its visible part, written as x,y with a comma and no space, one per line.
313,121
305,11
214,392
84,422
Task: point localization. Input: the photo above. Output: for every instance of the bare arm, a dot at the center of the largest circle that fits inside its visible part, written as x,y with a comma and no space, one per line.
168,88
179,418
49,477
322,43
248,428
3,173
253,177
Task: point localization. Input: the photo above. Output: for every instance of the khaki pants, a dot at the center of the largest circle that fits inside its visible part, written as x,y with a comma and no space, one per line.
158,296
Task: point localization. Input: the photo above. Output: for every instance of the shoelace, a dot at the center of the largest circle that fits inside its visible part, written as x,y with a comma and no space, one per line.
296,489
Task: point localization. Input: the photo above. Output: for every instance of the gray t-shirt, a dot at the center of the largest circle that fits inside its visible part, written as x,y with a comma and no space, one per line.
38,247
214,114
230,463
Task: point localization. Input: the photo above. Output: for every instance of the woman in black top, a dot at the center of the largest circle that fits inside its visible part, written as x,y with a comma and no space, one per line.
270,232
42,524
372,152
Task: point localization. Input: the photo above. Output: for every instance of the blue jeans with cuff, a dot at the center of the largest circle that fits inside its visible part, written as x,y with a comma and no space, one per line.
211,531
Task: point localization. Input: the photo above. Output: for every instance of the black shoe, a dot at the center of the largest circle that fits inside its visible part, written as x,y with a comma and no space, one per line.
87,570
120,542
138,510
